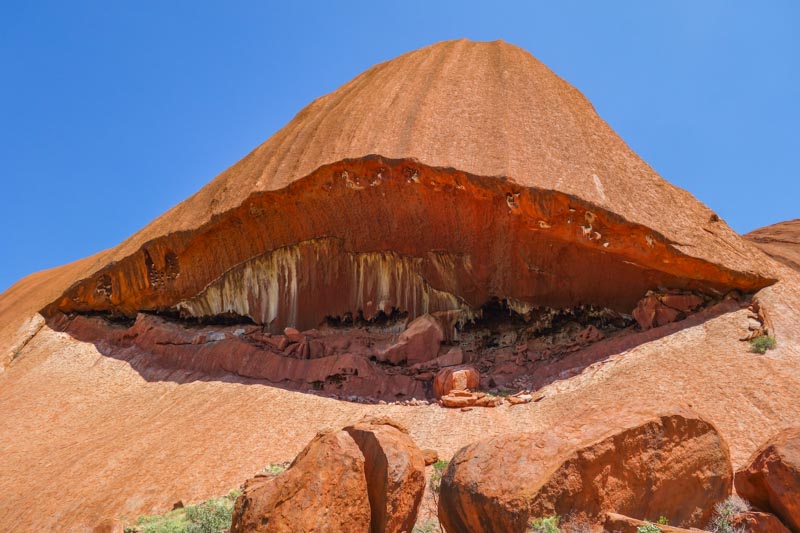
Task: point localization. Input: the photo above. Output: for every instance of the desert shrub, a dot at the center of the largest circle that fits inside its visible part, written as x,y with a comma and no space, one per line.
663,521
431,526
762,343
211,516
724,512
274,469
547,524
648,527
435,481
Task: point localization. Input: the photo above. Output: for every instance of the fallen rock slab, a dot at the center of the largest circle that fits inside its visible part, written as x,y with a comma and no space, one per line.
625,524
675,465
771,479
395,472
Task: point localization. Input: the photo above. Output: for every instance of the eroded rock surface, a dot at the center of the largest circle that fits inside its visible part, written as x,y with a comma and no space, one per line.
672,465
771,479
323,490
367,477
780,241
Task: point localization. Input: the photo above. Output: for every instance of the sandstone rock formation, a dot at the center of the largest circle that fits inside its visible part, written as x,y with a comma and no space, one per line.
462,378
780,241
323,490
673,465
531,235
366,477
757,522
771,479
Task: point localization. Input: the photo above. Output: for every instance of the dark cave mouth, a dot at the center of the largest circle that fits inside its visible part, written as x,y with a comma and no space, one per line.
389,357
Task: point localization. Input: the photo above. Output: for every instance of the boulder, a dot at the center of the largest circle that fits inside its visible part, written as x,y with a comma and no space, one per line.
430,456
658,309
625,524
324,489
756,522
367,477
419,343
673,465
395,473
771,479
455,377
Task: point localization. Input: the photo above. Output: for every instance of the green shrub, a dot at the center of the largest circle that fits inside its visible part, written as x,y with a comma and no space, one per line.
435,481
724,513
762,343
211,516
663,521
431,526
648,527
547,524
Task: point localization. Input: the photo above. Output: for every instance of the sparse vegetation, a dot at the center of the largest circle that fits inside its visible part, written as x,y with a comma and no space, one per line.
547,524
435,481
663,521
762,343
274,469
648,527
211,516
724,513
431,526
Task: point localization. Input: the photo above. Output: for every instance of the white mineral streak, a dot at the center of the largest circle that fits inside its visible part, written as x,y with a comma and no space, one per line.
277,284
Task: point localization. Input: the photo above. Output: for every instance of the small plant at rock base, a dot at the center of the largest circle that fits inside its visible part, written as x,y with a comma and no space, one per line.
725,512
435,482
275,469
663,521
431,526
762,343
547,524
648,527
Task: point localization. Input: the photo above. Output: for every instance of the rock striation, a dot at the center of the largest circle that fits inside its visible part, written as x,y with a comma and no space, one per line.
780,241
672,465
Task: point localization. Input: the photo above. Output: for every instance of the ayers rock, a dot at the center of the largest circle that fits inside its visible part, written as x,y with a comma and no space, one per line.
465,182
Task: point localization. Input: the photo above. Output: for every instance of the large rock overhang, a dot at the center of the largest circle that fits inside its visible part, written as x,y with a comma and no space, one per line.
366,235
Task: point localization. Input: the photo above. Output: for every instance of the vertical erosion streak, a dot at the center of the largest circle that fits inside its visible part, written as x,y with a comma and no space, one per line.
300,285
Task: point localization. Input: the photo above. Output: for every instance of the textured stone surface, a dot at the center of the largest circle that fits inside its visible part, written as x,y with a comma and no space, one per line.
756,522
455,377
369,476
128,437
324,489
671,465
624,524
771,478
395,472
780,241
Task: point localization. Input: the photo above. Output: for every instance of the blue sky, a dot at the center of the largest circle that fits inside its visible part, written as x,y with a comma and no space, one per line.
112,112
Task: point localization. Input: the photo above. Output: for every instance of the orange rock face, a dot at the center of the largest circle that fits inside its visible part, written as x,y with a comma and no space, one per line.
395,472
323,490
771,479
676,466
488,179
780,241
756,522
367,477
455,377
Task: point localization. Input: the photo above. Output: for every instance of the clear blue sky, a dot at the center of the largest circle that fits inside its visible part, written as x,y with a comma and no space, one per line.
112,112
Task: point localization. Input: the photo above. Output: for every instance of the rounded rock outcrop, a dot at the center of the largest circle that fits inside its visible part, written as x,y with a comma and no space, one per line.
673,465
367,477
771,478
